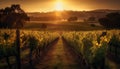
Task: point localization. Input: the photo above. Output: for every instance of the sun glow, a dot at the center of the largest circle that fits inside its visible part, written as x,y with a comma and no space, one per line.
59,5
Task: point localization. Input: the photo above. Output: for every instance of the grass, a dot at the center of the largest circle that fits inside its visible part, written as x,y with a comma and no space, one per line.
62,26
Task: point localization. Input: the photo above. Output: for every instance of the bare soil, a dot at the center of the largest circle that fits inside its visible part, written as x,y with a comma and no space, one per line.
59,57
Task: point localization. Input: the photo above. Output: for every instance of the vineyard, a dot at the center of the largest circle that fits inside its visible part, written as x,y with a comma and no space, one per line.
35,41
92,47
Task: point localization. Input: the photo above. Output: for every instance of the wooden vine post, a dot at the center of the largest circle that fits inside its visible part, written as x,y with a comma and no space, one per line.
18,48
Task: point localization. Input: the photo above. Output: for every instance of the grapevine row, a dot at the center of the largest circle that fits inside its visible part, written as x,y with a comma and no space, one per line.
93,45
35,41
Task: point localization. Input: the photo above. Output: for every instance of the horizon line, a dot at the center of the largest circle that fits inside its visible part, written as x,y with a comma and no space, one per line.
73,10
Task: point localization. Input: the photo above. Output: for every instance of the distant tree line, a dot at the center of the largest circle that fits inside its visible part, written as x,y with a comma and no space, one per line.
111,20
52,18
91,19
45,18
12,17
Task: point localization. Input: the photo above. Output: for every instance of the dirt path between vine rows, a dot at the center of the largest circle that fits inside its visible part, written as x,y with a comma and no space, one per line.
59,56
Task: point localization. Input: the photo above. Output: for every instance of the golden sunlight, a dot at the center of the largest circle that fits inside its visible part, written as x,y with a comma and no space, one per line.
59,5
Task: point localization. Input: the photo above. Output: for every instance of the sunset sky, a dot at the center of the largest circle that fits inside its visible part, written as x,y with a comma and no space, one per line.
52,5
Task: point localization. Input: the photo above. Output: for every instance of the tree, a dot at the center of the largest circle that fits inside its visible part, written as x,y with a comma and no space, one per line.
72,19
12,17
112,20
92,18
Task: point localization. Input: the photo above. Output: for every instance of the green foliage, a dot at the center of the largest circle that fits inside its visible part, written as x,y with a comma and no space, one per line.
7,48
33,43
114,41
112,20
6,36
34,40
92,45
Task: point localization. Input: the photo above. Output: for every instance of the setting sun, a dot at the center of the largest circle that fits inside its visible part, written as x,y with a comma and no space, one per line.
59,34
59,6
